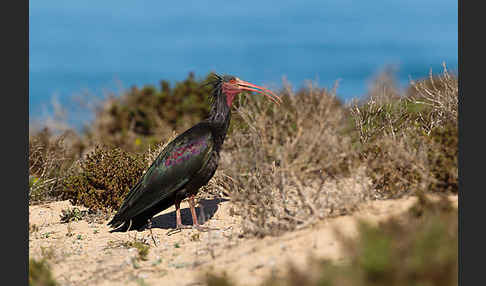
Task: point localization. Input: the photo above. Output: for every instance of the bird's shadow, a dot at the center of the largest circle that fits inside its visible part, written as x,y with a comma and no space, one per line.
204,212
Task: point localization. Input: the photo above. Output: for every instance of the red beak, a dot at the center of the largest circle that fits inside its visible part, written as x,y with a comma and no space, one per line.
243,85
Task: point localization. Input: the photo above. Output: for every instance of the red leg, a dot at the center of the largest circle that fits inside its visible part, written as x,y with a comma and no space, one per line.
195,224
178,213
193,211
179,225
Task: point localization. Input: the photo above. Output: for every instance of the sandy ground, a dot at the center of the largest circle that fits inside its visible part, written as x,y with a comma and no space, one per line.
82,253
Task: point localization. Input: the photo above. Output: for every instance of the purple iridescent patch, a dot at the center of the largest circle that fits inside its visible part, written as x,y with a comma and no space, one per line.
186,151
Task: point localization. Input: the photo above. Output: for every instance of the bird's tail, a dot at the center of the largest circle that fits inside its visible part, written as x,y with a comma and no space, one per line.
116,222
122,217
126,226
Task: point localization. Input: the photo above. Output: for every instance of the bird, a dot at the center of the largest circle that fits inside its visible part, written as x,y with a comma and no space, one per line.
186,163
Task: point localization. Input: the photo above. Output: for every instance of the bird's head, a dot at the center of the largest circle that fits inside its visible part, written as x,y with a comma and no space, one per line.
230,86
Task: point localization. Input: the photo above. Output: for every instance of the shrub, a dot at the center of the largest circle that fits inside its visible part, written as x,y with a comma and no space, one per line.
291,163
103,178
440,94
72,214
50,156
40,273
410,143
396,167
443,161
141,116
299,162
101,181
375,119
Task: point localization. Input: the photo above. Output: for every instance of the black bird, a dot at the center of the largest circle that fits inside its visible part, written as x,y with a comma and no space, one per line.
186,163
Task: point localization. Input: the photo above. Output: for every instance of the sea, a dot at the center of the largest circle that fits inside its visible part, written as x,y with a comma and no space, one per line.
94,48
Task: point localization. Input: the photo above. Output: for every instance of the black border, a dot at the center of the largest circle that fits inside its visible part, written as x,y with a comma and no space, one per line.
14,122
23,197
471,114
460,145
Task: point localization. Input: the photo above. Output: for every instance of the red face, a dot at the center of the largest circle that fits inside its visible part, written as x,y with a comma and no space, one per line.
235,85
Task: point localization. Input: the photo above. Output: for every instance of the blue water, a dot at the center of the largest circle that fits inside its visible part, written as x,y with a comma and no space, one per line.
99,46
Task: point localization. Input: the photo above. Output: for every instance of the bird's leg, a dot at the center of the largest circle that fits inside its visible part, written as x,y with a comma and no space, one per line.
178,216
193,211
179,225
195,224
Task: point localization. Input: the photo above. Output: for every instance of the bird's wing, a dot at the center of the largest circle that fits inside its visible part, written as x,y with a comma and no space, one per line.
171,170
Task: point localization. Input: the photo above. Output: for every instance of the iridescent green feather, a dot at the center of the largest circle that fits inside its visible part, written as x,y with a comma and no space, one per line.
161,180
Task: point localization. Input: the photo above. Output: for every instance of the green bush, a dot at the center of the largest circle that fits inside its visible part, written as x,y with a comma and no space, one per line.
103,178
395,167
40,273
141,116
443,153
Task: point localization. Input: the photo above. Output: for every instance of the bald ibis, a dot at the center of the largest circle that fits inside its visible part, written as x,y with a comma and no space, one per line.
186,163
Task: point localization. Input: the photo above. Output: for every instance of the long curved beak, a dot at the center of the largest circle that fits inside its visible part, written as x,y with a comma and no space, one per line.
243,85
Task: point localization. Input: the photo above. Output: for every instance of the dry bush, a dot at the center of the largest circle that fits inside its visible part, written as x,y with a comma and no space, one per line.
375,118
438,123
440,94
382,112
218,187
410,143
396,166
50,156
291,163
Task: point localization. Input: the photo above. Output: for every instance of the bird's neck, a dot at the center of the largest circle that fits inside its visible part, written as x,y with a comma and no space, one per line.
219,118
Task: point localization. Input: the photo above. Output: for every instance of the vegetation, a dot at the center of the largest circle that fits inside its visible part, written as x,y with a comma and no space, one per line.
301,166
410,143
49,158
308,163
140,117
40,273
74,214
103,179
141,246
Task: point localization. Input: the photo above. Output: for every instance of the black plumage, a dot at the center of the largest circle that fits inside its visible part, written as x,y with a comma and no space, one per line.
186,163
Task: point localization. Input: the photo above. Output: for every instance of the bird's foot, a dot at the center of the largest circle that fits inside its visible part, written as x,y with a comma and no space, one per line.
180,227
